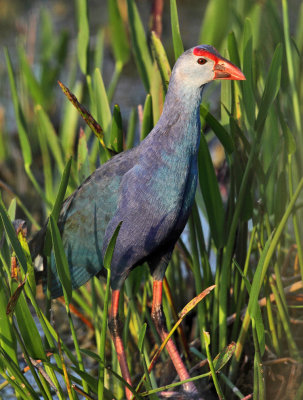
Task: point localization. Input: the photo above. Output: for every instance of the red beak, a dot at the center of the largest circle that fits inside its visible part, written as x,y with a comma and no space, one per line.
224,69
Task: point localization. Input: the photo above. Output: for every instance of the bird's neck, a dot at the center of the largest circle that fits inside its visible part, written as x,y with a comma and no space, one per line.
179,124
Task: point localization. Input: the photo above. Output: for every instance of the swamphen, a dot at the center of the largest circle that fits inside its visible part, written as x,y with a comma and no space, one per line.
151,189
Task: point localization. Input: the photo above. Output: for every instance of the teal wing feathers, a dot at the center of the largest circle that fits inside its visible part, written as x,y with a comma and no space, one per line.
84,219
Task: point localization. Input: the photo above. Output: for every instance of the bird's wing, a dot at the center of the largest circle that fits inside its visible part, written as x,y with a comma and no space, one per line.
148,216
84,218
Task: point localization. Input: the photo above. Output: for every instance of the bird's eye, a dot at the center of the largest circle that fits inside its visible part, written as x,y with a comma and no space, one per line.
201,61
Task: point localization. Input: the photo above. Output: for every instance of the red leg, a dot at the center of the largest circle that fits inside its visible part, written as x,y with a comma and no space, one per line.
115,331
157,316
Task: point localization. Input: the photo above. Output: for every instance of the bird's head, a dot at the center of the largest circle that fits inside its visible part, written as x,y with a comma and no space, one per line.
203,64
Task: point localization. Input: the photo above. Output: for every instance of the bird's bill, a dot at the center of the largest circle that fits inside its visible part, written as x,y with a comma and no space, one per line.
226,70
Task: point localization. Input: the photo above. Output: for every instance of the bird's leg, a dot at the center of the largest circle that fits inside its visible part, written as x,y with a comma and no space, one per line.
115,328
158,318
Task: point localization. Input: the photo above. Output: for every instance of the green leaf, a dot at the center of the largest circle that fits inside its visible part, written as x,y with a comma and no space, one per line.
83,35
211,193
29,264
218,129
104,115
216,19
61,260
253,305
28,329
10,231
162,61
141,337
118,33
47,129
57,206
47,166
139,44
272,86
175,29
99,49
111,247
248,93
7,337
32,84
224,356
23,387
147,120
131,128
289,139
116,134
280,201
20,119
233,48
12,209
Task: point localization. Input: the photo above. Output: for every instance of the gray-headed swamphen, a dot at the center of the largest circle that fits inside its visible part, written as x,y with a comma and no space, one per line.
151,189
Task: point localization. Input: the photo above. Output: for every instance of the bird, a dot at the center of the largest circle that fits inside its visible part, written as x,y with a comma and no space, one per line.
150,189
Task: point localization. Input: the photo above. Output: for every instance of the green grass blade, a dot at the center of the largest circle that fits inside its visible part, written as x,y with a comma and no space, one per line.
48,130
147,120
272,86
139,44
175,29
118,33
211,194
7,337
131,128
83,35
116,133
162,61
107,263
211,365
111,247
47,167
57,206
219,130
20,119
27,327
30,80
248,93
61,260
293,348
290,66
103,109
214,33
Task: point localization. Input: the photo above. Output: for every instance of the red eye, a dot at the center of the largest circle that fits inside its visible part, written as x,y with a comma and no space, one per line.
201,61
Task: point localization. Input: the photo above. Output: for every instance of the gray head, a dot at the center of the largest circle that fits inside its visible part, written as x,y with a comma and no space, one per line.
202,64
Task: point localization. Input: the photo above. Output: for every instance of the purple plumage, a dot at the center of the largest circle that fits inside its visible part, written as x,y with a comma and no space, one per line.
150,189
